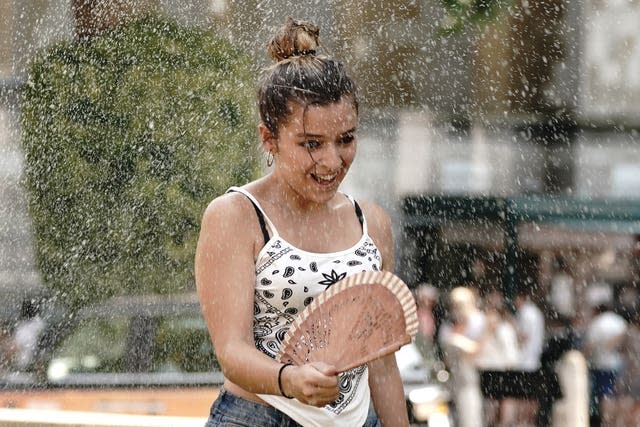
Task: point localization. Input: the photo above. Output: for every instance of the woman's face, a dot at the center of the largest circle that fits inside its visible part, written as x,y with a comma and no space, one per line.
315,148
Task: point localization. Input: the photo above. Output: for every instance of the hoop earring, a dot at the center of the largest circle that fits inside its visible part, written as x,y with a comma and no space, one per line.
270,159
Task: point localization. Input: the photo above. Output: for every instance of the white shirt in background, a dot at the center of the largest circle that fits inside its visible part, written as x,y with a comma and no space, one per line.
604,327
531,331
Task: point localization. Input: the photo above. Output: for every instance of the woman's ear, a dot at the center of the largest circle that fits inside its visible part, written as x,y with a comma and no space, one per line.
267,137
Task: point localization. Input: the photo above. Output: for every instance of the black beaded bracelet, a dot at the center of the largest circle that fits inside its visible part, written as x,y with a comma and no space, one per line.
280,380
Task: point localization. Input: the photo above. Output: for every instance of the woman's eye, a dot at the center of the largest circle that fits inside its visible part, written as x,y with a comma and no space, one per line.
347,139
311,144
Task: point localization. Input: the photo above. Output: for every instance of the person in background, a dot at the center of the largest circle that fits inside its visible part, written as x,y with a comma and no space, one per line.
602,347
530,327
462,339
499,353
268,248
562,292
628,383
561,338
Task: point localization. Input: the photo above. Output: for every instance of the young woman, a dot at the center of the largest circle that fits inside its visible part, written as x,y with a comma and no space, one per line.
268,248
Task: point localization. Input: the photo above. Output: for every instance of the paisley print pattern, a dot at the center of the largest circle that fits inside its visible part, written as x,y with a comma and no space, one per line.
349,381
333,277
285,285
273,257
287,280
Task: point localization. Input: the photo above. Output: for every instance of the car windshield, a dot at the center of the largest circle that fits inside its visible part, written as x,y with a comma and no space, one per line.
176,343
96,345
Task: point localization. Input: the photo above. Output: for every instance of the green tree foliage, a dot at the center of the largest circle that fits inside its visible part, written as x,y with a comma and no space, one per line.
127,137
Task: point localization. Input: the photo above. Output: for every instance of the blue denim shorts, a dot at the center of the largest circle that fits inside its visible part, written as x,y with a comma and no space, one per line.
230,410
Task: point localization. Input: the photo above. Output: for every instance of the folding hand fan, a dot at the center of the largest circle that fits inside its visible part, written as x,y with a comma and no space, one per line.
358,319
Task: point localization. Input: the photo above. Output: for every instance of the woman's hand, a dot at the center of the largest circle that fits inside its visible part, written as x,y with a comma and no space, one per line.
315,383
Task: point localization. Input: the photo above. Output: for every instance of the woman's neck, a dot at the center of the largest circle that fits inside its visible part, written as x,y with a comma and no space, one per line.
280,194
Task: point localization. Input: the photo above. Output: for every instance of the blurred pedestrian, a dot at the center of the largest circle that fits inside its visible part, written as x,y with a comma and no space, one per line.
602,348
562,289
462,338
500,352
628,383
530,328
531,335
560,338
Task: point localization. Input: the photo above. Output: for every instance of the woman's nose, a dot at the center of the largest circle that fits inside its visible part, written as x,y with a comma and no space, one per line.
331,157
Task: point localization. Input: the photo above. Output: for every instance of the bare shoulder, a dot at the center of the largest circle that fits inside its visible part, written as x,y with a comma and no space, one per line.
227,203
231,212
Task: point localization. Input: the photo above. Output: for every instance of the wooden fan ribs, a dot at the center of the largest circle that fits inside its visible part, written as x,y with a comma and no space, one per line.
358,319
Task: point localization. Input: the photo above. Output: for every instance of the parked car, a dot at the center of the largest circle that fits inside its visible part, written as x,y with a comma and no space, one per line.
137,355
152,355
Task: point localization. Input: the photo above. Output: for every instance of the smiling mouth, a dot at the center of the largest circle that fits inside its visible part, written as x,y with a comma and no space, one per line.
325,179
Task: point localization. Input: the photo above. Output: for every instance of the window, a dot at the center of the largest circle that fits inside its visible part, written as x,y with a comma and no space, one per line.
97,345
183,345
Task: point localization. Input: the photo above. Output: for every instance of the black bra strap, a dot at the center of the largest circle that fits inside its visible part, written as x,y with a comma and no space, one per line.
359,213
263,224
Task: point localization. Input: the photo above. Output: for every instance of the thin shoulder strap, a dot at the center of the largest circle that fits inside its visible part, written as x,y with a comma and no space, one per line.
263,219
359,214
263,226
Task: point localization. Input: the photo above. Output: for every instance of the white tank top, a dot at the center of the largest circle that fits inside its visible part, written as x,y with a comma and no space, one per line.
287,280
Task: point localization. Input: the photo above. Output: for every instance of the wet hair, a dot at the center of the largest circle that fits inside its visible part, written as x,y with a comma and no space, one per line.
299,75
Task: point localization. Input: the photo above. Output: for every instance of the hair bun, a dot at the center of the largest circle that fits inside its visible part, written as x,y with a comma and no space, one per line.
295,38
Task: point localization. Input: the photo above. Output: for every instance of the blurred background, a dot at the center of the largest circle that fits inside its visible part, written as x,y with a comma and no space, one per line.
537,98
501,135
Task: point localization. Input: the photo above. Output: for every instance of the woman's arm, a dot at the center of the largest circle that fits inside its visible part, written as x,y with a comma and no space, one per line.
225,280
387,391
224,269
